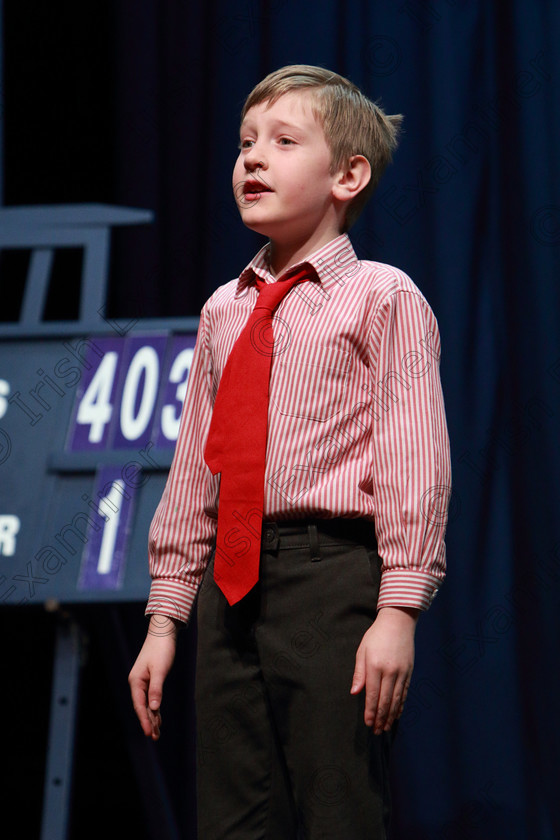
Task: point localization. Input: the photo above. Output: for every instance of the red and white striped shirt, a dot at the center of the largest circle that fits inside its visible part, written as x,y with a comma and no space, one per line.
356,425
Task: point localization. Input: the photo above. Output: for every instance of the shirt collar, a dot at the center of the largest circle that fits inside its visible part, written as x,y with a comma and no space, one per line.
331,264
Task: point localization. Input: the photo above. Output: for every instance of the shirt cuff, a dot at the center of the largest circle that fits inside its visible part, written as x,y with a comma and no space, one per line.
404,588
172,598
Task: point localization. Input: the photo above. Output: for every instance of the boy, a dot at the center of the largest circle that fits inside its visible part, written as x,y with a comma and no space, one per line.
304,660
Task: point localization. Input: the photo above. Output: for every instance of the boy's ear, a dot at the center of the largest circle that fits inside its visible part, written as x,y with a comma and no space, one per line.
350,181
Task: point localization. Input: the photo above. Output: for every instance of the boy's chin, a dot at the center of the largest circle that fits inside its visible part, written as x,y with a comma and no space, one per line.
258,227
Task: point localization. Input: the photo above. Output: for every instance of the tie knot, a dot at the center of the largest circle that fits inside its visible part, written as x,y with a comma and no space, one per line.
270,294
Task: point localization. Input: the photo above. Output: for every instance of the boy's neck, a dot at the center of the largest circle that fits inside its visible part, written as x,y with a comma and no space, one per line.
283,255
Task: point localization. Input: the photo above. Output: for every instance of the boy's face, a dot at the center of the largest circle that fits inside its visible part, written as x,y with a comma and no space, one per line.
281,179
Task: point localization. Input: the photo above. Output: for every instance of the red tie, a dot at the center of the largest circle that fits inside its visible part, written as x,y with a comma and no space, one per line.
236,445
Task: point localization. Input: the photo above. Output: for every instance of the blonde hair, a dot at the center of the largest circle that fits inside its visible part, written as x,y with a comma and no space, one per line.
352,123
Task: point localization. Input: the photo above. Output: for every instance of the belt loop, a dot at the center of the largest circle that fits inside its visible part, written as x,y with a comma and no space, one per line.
314,550
270,537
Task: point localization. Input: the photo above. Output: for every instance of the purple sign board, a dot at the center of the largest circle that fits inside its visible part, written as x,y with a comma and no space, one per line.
95,396
131,393
105,549
141,368
172,394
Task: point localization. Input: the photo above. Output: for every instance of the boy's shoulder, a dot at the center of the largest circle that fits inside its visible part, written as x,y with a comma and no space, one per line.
223,295
378,282
384,283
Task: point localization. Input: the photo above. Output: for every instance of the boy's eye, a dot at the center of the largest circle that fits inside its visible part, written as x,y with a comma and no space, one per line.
286,141
245,144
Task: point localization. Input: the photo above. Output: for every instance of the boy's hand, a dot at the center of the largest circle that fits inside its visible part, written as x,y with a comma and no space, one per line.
150,670
384,663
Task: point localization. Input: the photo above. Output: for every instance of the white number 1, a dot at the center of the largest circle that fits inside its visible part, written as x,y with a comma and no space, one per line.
110,527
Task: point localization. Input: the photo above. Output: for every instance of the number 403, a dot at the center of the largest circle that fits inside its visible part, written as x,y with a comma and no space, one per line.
138,396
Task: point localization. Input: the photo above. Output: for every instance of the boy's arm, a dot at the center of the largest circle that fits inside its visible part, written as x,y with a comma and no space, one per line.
411,487
181,532
180,539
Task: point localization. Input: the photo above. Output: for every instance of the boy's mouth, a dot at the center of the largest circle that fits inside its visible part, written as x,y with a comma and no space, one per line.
251,191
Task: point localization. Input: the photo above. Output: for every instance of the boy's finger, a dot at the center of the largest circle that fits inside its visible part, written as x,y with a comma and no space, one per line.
359,677
155,692
384,705
155,723
358,681
141,710
400,701
373,692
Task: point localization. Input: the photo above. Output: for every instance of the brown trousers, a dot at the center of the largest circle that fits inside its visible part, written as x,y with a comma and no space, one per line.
283,752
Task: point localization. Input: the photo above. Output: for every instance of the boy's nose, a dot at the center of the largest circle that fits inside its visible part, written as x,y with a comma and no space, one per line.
254,160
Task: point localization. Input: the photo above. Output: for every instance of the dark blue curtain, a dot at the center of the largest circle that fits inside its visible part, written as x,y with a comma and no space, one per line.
471,210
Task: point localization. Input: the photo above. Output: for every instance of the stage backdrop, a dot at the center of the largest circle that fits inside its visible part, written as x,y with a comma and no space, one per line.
471,210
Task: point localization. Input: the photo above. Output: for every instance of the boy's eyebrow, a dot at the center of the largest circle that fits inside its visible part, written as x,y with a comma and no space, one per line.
276,123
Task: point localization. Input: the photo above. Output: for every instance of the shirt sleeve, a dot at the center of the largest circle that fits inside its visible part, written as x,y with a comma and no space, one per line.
411,460
181,533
